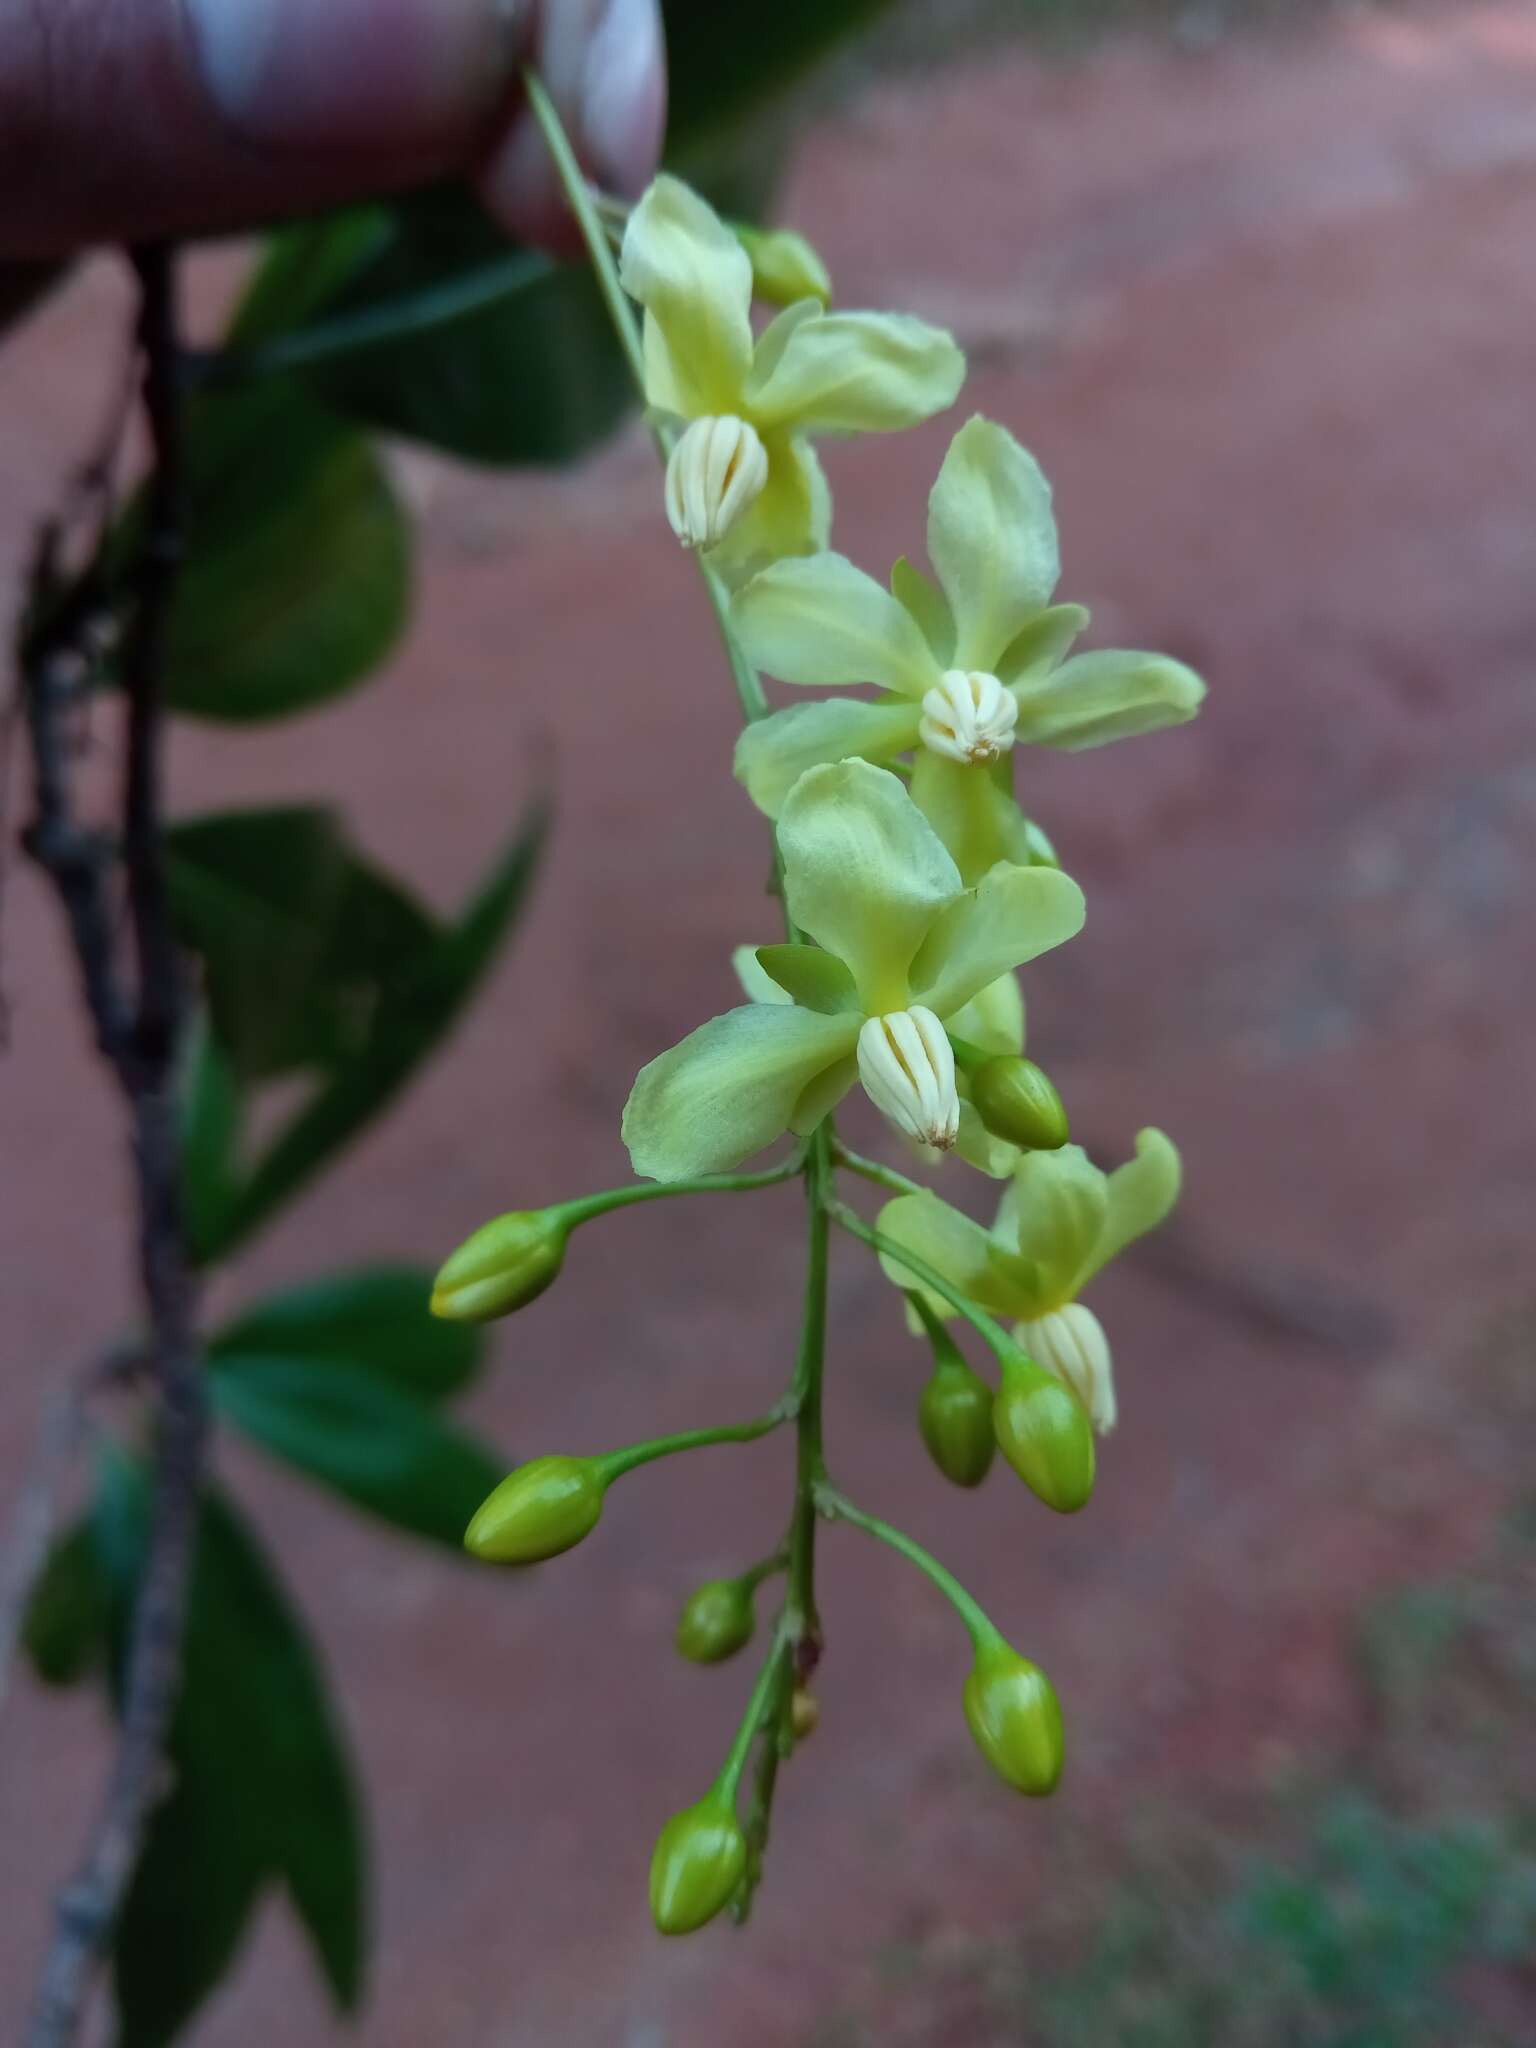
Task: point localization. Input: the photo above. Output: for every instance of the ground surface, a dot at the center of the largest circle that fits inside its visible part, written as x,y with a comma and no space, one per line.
1266,315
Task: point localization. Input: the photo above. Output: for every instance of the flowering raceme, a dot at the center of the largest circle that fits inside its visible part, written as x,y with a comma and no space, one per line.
742,480
900,946
1060,1222
971,665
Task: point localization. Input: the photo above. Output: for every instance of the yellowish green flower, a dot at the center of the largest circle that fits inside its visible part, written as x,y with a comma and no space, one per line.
1061,1221
900,946
970,665
742,479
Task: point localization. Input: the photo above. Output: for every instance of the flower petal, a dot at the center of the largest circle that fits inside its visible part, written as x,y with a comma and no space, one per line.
973,812
853,373
1059,1203
954,1246
790,515
1110,695
1140,1195
993,1019
822,1095
774,752
757,985
929,608
1039,646
976,1145
864,875
729,1088
821,620
992,539
815,979
694,280
1012,915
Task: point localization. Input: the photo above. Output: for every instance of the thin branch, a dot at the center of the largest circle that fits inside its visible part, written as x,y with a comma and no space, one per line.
34,1519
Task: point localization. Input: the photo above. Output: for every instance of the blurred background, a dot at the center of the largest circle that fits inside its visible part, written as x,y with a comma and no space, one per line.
1258,288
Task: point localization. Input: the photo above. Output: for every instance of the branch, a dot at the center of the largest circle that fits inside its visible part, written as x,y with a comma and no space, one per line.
136,1009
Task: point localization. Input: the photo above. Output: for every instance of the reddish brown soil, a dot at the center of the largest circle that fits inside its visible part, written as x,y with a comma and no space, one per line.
1267,317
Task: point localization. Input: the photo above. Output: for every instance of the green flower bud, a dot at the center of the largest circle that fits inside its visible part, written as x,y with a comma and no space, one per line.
697,1864
503,1266
1044,1434
716,1620
539,1510
1017,1100
954,1413
784,266
1015,1717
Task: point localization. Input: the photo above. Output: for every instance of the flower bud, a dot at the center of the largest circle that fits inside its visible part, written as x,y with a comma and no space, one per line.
713,474
784,266
1044,1434
1017,1101
697,1864
539,1510
1070,1342
954,1413
506,1264
715,1622
968,716
804,1713
1015,1717
907,1066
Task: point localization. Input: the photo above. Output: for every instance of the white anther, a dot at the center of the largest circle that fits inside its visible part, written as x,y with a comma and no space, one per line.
908,1071
1070,1343
969,716
713,474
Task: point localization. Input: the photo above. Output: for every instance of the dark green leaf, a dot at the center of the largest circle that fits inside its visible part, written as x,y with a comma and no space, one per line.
66,1631
721,61
441,986
375,1319
296,578
343,1426
303,944
303,266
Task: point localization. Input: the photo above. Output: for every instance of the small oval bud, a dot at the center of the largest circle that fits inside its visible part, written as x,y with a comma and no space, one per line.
542,1508
1017,1101
507,1263
713,474
968,716
1070,1342
717,1619
804,1713
785,268
954,1413
1015,1717
1044,1434
907,1066
697,1864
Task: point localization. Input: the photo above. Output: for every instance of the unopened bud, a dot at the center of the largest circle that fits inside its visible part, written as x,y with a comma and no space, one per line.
539,1510
713,474
1015,1717
907,1066
1017,1101
1070,1342
506,1264
804,1713
968,716
1044,1433
784,266
954,1414
717,1619
697,1864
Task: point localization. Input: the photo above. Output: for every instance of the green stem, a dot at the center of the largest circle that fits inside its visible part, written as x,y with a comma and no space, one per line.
992,1333
614,1464
800,1615
584,1207
838,1508
765,1568
759,1706
873,1170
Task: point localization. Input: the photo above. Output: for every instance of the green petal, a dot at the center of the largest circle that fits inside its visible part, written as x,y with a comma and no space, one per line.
791,515
773,753
1140,1195
953,1245
972,812
1052,1217
992,539
1041,644
994,1017
864,875
729,1088
976,1145
694,280
756,985
821,620
1095,698
929,608
822,1095
852,373
815,979
1012,915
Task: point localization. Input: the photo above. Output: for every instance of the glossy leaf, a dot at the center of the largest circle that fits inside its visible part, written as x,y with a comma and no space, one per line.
341,1425
374,1318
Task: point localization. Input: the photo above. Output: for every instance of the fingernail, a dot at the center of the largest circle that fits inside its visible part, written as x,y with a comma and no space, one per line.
622,95
352,73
